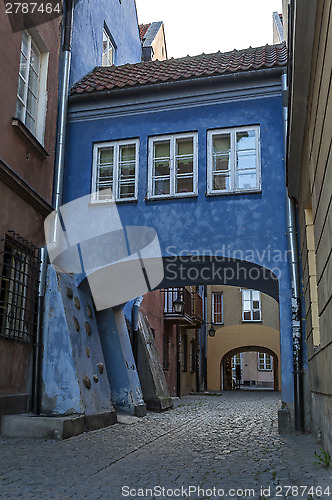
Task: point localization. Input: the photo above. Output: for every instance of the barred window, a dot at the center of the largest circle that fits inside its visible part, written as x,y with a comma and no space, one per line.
217,308
19,268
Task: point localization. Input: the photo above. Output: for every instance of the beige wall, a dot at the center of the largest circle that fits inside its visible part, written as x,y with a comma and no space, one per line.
159,45
315,216
234,333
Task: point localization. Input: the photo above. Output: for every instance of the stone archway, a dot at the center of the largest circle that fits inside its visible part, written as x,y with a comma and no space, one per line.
226,368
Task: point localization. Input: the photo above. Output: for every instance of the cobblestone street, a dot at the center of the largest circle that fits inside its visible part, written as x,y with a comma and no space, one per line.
229,442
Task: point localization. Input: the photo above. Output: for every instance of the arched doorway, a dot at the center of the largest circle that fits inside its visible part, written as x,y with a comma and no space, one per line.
226,381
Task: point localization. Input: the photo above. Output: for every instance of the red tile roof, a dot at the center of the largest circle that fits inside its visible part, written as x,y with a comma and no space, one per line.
143,28
103,79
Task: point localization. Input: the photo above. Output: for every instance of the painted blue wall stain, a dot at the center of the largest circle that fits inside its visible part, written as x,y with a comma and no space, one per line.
87,41
254,223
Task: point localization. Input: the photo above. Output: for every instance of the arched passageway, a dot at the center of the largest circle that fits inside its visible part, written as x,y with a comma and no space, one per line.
226,380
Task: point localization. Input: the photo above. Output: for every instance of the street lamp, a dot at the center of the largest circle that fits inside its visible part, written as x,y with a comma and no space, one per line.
212,332
178,305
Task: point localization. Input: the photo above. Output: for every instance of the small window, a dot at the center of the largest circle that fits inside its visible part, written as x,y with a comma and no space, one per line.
264,361
233,160
251,305
236,360
109,48
217,308
115,168
31,93
172,166
19,280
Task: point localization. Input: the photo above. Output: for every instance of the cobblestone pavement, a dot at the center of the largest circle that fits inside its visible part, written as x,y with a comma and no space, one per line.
228,442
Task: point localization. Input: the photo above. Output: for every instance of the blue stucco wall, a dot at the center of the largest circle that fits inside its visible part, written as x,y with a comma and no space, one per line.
87,41
203,224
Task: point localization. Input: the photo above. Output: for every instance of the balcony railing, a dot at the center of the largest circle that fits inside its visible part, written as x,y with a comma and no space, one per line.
193,307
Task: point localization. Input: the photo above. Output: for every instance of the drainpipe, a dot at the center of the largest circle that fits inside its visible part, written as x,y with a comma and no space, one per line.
134,322
36,390
63,105
295,282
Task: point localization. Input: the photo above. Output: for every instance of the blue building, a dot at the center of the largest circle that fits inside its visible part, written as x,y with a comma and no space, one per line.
193,147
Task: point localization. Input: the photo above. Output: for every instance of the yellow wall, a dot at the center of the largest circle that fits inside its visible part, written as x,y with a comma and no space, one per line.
234,333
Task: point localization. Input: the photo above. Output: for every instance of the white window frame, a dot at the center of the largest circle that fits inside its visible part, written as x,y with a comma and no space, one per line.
252,309
233,163
173,138
267,362
213,311
110,49
41,105
115,190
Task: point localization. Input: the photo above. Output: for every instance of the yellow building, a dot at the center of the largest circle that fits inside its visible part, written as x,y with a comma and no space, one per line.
244,321
309,176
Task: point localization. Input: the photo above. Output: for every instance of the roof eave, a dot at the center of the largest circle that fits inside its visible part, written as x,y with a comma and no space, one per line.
201,81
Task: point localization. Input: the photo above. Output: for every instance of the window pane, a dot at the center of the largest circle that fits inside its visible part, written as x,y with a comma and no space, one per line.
256,295
247,316
33,82
221,182
30,123
162,168
24,46
35,58
246,160
162,149
162,187
221,143
246,294
106,156
221,162
23,65
127,152
19,110
185,146
184,185
255,304
21,88
127,191
256,315
184,165
246,305
245,140
247,181
32,104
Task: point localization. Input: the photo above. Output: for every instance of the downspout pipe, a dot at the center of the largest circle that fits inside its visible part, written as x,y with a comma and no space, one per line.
134,322
295,283
63,104
36,390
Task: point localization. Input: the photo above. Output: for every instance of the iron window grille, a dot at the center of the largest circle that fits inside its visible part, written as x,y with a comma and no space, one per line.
19,274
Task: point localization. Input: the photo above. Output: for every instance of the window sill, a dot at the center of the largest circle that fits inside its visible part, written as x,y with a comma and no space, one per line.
29,138
252,321
171,197
111,202
230,193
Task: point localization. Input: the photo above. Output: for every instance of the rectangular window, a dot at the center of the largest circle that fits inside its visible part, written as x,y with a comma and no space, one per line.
233,160
31,92
19,282
217,308
264,361
251,305
109,48
115,171
172,166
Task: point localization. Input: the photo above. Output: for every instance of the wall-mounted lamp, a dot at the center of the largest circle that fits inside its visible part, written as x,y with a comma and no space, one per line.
178,305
